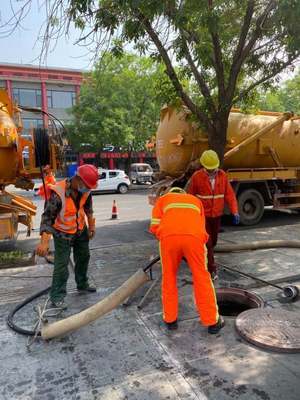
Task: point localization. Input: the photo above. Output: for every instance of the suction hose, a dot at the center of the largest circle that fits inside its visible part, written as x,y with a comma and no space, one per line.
88,315
117,297
256,245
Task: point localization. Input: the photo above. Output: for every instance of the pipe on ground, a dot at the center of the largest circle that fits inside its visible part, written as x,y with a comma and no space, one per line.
99,309
256,245
117,297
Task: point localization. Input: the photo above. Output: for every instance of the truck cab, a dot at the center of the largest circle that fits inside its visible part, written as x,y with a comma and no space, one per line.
141,173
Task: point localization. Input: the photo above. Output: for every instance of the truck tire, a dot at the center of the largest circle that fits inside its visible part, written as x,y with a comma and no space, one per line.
251,206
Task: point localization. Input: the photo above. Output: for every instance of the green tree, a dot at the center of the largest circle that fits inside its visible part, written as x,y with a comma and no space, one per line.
225,47
289,94
118,103
286,97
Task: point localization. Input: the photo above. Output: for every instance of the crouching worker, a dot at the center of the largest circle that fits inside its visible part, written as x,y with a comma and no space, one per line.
178,222
65,215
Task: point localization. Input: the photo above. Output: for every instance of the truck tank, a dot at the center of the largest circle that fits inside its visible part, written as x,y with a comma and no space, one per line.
179,141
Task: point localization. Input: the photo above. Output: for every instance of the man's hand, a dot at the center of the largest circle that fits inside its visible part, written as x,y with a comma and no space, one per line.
43,247
91,233
92,227
236,219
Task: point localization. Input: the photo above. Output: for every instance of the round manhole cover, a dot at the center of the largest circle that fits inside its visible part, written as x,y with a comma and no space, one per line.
277,330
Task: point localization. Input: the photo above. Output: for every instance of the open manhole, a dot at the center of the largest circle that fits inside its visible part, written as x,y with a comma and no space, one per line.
233,301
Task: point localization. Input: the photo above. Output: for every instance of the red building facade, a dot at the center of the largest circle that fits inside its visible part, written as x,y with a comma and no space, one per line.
55,90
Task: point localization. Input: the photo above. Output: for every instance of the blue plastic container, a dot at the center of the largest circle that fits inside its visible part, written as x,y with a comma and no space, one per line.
72,168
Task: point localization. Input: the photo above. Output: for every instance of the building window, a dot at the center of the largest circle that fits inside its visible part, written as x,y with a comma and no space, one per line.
60,99
29,124
28,97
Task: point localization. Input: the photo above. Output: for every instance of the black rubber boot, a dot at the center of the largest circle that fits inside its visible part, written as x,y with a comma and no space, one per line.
59,305
88,289
172,326
213,329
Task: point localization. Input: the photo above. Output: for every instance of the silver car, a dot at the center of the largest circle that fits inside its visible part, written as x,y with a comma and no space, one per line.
141,173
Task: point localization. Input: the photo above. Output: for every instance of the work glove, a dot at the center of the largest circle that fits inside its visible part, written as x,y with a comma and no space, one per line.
43,247
92,227
236,219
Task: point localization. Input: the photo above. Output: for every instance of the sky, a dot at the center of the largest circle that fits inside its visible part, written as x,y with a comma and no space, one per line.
22,46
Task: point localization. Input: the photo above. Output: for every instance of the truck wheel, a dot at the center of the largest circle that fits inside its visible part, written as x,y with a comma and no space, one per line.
122,188
251,207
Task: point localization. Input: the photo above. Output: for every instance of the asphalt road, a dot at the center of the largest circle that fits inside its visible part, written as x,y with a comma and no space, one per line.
133,220
131,226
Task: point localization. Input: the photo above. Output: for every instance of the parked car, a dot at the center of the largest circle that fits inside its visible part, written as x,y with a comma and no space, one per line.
141,173
108,147
112,180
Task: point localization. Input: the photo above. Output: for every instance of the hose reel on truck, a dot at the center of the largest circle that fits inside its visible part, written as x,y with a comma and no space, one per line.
21,159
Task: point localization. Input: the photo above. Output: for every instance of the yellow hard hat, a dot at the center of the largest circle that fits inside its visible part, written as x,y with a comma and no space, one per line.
176,189
209,159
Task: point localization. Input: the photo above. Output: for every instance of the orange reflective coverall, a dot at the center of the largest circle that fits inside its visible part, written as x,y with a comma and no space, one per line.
178,222
49,180
213,199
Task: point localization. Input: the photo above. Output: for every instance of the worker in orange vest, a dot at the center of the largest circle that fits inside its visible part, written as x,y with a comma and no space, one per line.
178,222
211,186
49,179
65,215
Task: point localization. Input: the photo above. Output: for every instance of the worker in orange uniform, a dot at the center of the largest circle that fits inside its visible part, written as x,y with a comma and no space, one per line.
211,186
65,216
49,179
178,222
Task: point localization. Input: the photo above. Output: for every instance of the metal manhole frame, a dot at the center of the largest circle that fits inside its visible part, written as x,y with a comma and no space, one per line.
242,294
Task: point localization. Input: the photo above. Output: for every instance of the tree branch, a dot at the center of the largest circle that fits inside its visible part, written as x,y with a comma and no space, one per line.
218,61
170,70
266,78
243,50
219,67
198,76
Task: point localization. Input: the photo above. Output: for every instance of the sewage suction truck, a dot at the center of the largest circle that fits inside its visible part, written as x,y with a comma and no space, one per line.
21,159
262,157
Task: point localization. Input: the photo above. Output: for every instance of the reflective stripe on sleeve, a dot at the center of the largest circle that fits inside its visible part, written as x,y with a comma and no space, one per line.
216,196
155,221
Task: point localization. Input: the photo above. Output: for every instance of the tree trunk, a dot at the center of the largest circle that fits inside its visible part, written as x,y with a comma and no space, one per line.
217,135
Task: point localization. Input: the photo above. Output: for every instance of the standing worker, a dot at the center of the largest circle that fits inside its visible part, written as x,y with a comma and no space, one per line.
211,186
65,214
49,179
178,222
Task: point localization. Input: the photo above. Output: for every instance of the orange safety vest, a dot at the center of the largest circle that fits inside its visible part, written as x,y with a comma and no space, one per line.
70,219
178,214
213,200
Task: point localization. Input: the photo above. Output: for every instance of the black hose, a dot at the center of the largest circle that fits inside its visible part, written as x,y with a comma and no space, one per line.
10,318
250,276
41,146
151,263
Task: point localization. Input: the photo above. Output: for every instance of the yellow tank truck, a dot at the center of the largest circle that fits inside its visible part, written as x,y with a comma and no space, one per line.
17,170
262,157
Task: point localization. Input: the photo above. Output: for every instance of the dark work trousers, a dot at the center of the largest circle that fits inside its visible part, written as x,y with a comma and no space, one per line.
212,225
60,275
